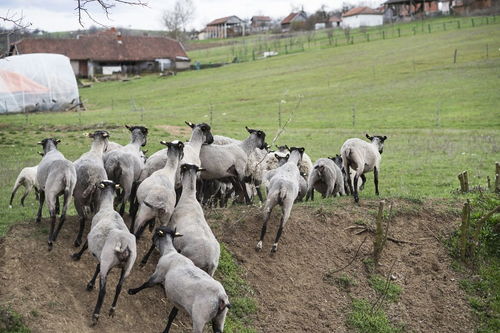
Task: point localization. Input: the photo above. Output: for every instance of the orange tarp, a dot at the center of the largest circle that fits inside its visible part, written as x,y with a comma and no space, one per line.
11,82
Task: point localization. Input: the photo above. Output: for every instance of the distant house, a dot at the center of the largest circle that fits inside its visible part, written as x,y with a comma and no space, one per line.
469,7
293,19
405,10
334,21
260,23
230,26
361,17
109,51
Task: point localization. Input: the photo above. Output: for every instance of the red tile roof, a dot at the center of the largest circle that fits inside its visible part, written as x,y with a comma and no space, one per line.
106,46
289,18
334,19
360,11
221,20
261,18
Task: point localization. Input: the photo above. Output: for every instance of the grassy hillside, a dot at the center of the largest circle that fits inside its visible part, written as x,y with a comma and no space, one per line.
440,117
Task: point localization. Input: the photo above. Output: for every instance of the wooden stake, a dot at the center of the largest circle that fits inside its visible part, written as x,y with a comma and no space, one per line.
466,181
378,243
497,177
464,229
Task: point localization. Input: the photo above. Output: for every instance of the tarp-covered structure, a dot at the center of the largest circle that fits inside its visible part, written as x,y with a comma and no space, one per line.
37,82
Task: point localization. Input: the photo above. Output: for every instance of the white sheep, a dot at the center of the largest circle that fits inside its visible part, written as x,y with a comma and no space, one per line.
230,161
362,157
55,175
186,286
26,178
326,178
156,194
283,190
305,165
89,173
124,165
111,243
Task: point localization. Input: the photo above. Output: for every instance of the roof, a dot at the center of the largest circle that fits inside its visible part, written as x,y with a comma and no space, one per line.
108,46
223,20
334,19
361,11
396,2
291,17
260,18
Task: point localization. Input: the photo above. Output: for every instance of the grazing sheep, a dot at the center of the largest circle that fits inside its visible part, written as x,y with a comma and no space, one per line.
326,178
26,178
156,194
283,190
305,166
124,165
362,157
111,244
199,243
89,173
200,135
56,176
230,161
186,286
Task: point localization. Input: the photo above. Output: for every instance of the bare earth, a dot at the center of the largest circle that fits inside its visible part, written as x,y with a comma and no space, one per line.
48,288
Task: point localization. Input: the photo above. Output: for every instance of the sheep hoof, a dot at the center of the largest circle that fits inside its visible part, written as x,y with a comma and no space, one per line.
112,312
90,286
274,248
50,245
38,220
131,292
258,247
95,318
75,256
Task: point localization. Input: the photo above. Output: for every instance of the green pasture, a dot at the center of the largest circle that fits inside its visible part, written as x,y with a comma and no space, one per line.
441,117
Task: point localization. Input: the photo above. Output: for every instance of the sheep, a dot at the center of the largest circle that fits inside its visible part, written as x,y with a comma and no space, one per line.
199,243
124,165
55,175
305,165
200,135
338,161
362,157
111,243
283,190
281,158
26,178
223,161
89,173
156,194
326,178
112,146
186,286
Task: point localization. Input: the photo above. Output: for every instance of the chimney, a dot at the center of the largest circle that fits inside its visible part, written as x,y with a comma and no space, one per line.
119,37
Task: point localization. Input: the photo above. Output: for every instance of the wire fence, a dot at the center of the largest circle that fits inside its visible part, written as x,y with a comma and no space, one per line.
251,50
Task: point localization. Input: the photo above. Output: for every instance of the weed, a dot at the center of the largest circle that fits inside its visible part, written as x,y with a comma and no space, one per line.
382,286
344,281
369,264
11,322
364,320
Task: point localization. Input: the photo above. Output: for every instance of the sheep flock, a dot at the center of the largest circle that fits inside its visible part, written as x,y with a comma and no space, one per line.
167,192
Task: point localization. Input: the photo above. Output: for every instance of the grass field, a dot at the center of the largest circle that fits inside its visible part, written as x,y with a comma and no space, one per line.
440,117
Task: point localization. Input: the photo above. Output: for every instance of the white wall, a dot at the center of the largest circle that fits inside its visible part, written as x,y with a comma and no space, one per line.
362,21
75,65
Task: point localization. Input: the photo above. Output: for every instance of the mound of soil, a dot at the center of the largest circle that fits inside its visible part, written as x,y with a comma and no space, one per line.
293,288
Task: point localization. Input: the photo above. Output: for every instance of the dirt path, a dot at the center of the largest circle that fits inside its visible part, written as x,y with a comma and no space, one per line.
48,289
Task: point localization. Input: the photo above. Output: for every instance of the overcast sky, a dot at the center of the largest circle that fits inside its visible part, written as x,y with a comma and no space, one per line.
60,15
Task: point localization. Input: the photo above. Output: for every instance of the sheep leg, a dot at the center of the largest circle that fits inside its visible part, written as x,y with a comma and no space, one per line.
100,298
264,229
284,219
349,183
40,207
37,197
78,240
259,193
51,198
148,284
117,293
218,321
375,179
363,178
147,255
76,256
144,214
57,205
171,318
132,211
62,218
356,197
14,190
91,283
26,192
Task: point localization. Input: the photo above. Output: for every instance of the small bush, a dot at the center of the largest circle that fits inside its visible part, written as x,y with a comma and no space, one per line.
365,321
381,286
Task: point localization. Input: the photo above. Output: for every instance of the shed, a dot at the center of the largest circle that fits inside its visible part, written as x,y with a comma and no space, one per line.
229,26
361,17
37,82
293,19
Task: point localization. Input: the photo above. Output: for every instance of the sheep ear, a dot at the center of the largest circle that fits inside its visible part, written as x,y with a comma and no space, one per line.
145,151
101,185
41,153
117,186
128,127
181,145
39,143
248,129
369,137
302,150
160,233
163,142
105,135
202,169
176,234
277,156
384,138
286,147
58,141
287,155
190,124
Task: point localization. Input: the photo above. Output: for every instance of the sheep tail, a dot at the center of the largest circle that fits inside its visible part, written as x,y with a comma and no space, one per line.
223,304
89,191
122,251
159,208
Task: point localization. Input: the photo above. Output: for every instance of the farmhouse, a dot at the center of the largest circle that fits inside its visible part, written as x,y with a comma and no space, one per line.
405,10
293,20
334,22
108,51
229,26
260,23
361,17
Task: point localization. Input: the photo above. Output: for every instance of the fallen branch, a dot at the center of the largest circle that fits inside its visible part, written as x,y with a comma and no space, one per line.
353,258
370,229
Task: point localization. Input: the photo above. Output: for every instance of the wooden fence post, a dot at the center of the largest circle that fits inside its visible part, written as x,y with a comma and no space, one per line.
455,56
464,229
378,243
497,177
399,32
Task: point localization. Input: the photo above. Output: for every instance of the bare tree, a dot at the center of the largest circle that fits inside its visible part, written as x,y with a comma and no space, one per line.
177,18
17,25
106,5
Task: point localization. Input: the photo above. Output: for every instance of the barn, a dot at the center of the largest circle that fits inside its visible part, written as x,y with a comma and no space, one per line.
108,51
361,17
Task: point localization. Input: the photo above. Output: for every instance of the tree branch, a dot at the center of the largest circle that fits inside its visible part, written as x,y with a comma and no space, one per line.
106,5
